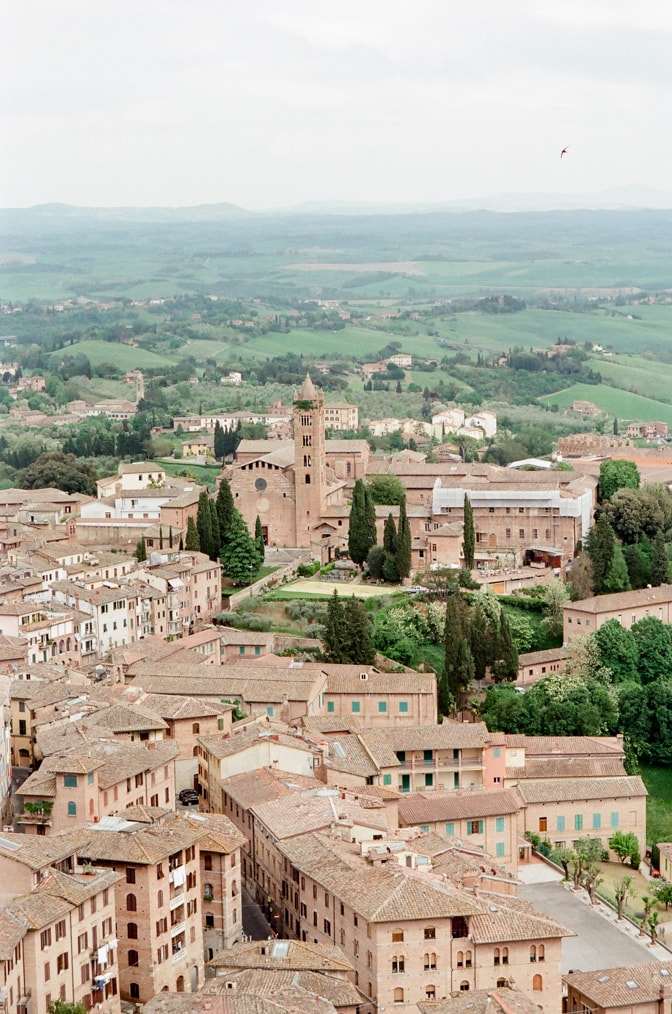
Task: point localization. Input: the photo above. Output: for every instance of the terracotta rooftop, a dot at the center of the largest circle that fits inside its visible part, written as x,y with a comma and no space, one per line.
482,1001
13,928
572,789
623,987
428,807
283,955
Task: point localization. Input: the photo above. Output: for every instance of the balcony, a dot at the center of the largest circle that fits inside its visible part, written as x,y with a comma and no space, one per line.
178,928
179,955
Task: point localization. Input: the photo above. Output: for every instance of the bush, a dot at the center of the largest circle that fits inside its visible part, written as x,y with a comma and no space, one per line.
251,604
308,569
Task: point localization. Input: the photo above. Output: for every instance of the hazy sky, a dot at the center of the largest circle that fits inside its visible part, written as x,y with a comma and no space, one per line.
267,103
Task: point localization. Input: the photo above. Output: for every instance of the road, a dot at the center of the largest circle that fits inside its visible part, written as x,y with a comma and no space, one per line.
254,922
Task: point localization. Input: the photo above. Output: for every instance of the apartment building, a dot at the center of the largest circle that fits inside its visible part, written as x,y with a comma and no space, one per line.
564,810
185,718
341,416
87,783
158,901
514,759
221,880
110,615
248,749
486,821
410,937
380,700
13,995
586,615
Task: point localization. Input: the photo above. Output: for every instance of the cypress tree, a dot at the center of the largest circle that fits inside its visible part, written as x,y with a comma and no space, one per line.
448,685
141,550
220,442
390,536
180,547
170,536
617,578
660,564
505,665
600,543
160,537
225,509
214,528
403,553
479,641
193,543
362,530
204,524
360,649
239,555
469,542
259,542
635,565
335,631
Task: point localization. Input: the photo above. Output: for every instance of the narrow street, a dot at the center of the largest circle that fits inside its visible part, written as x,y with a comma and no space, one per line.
254,922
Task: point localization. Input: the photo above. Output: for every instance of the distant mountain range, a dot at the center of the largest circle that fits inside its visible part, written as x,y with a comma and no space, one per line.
622,199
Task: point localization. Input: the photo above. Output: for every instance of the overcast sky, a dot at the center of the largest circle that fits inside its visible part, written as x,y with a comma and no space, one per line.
268,103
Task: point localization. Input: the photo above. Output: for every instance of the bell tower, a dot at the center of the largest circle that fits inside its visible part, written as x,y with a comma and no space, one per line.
309,460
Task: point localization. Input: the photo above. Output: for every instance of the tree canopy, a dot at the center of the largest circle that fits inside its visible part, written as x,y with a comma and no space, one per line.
62,471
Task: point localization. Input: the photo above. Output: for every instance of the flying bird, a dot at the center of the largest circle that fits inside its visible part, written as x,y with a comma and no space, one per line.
564,151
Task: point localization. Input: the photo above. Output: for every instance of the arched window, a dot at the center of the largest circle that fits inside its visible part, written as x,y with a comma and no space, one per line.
464,986
430,992
460,959
505,955
132,931
208,892
133,959
540,952
397,962
194,752
467,959
430,961
501,982
159,899
207,861
131,903
398,995
234,889
537,984
196,728
497,958
533,952
134,990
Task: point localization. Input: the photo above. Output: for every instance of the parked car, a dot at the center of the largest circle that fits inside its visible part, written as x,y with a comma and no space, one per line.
188,797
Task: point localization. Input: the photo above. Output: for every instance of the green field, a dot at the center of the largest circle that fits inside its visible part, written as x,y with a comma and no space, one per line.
639,375
659,804
126,357
622,404
204,475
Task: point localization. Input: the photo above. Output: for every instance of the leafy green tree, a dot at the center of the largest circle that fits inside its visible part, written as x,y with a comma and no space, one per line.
522,632
616,474
622,891
61,471
660,707
239,555
635,717
654,648
66,1007
141,550
555,597
626,846
469,535
618,651
660,563
375,562
581,579
193,543
402,556
362,530
589,851
225,509
663,895
386,490
600,543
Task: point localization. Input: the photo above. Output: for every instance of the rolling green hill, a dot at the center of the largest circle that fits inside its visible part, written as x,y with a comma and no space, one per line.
627,407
